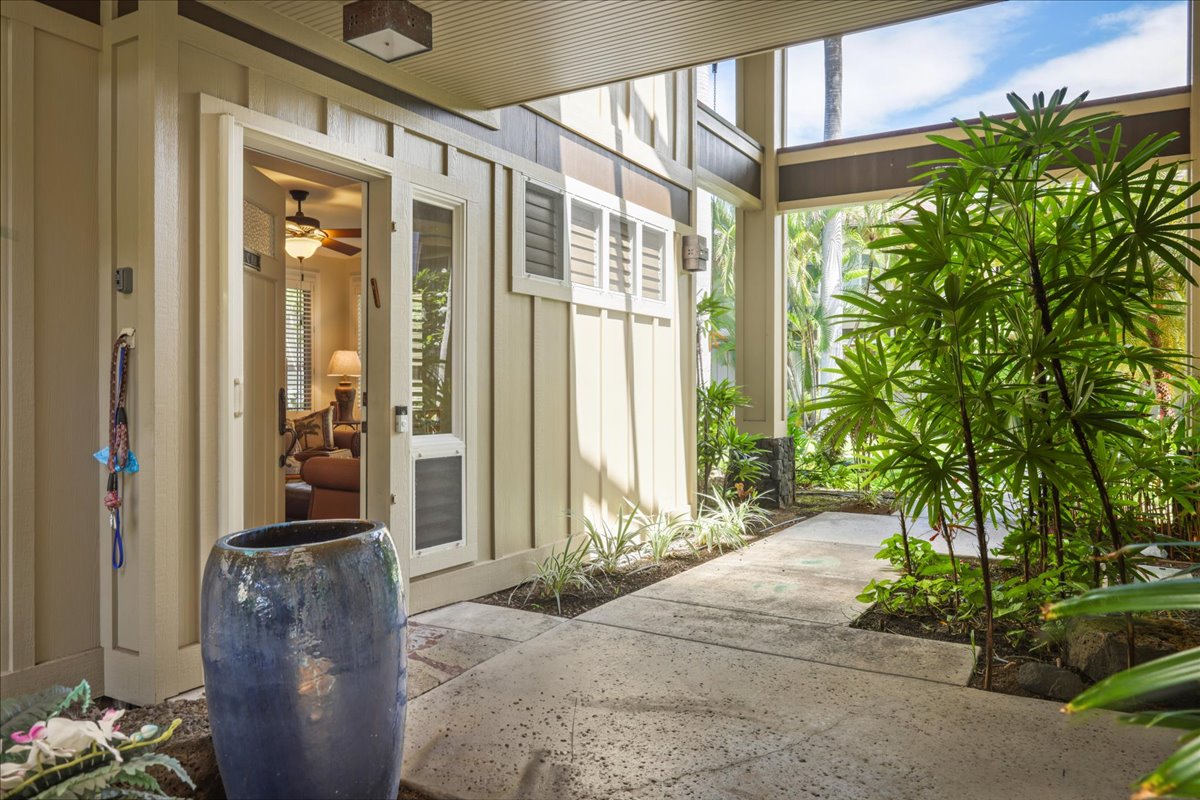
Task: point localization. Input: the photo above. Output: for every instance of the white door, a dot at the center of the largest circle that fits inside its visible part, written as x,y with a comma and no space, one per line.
263,282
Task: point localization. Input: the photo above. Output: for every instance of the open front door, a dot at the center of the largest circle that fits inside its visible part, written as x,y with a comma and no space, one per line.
264,279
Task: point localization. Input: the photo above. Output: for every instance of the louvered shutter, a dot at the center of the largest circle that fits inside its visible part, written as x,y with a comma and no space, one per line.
620,255
298,346
654,245
585,244
543,232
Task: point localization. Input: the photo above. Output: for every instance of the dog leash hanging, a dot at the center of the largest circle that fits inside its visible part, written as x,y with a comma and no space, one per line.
117,456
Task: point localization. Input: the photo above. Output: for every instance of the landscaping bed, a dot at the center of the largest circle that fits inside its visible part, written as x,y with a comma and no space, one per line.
642,573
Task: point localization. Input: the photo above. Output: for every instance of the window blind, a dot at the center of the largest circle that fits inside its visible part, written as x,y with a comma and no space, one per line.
654,245
298,346
585,244
543,232
620,254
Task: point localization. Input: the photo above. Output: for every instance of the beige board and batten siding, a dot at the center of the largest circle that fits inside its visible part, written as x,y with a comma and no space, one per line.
50,487
568,406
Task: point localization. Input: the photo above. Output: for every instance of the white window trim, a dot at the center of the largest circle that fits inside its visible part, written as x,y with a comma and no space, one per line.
599,296
304,278
463,551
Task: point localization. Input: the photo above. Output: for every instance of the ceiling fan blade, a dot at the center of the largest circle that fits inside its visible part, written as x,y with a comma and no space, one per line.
343,233
340,247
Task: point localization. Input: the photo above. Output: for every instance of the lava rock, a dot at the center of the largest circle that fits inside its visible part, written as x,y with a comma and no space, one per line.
1096,646
1047,680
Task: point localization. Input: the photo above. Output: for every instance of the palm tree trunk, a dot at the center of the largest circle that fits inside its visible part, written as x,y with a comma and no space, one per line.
832,234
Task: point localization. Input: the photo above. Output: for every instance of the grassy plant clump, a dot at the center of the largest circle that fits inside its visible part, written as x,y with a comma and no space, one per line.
661,532
613,547
725,523
558,573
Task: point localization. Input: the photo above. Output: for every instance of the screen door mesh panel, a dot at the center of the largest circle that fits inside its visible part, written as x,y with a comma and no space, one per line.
438,485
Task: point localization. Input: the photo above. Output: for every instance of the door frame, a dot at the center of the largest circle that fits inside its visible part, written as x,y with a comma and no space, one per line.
226,130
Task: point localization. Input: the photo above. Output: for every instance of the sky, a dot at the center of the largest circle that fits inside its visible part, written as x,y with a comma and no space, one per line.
960,64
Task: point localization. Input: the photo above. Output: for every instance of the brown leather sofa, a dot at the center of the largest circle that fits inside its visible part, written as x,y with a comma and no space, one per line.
335,487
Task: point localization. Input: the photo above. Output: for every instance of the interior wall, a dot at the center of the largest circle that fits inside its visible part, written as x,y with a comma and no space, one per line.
334,325
49,620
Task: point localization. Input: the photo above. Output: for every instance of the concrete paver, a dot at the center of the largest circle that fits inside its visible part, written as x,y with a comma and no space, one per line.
838,645
740,678
503,623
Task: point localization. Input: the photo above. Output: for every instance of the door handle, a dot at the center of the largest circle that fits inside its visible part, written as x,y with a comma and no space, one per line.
237,397
282,411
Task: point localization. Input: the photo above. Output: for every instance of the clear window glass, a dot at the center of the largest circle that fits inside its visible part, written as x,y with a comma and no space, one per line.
717,88
927,71
432,290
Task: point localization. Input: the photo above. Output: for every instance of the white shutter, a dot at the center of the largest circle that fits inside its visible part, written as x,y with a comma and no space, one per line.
297,345
543,232
654,246
620,254
585,244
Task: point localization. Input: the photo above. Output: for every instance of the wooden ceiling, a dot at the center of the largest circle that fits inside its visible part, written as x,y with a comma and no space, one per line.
492,54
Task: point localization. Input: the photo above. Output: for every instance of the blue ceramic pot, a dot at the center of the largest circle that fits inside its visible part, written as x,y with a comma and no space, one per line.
304,630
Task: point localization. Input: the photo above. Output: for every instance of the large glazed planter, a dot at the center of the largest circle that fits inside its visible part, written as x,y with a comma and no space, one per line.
303,639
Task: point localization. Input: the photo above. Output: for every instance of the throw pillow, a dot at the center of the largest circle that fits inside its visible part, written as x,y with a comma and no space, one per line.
314,430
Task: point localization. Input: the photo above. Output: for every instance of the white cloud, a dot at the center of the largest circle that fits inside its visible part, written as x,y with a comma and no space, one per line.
893,70
1149,53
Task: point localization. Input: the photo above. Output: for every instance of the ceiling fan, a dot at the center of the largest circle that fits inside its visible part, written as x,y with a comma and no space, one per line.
304,235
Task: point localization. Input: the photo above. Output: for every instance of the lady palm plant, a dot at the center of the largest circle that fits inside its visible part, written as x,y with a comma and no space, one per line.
1003,364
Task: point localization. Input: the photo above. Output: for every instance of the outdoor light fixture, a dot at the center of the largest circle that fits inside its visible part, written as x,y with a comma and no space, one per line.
387,29
302,235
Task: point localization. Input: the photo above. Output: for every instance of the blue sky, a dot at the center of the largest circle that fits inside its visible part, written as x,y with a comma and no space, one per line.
925,72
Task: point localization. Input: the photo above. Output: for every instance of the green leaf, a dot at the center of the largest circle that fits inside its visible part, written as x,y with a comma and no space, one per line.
1179,594
1178,776
1160,673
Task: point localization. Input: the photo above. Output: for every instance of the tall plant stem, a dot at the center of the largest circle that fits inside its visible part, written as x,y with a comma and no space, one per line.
1058,525
1064,391
976,507
904,538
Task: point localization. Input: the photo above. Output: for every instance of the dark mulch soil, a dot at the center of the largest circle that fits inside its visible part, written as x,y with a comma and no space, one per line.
643,573
1027,643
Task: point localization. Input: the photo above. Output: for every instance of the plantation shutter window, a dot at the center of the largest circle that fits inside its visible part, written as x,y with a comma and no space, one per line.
585,244
543,232
654,247
620,254
298,343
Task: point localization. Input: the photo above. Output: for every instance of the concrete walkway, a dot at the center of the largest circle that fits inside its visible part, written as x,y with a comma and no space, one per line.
741,679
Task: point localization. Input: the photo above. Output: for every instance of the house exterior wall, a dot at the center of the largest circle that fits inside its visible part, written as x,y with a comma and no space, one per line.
571,405
49,611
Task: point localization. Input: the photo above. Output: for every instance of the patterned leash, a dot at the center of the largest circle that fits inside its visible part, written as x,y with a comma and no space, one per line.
118,444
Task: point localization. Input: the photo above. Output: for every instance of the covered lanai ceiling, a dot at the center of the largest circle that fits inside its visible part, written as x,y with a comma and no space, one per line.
491,53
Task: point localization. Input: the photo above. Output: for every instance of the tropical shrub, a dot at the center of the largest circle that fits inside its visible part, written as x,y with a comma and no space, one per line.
721,449
54,756
1010,363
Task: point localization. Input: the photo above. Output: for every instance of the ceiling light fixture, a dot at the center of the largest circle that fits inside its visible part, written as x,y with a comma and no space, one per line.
303,235
387,29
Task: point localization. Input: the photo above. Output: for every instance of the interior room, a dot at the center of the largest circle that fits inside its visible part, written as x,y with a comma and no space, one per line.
304,341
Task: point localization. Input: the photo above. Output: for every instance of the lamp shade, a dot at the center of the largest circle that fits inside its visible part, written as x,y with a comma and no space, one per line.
345,363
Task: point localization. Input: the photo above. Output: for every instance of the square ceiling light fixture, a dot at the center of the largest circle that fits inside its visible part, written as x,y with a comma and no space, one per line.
387,29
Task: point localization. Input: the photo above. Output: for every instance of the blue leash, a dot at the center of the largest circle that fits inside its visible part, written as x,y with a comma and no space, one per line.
118,541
